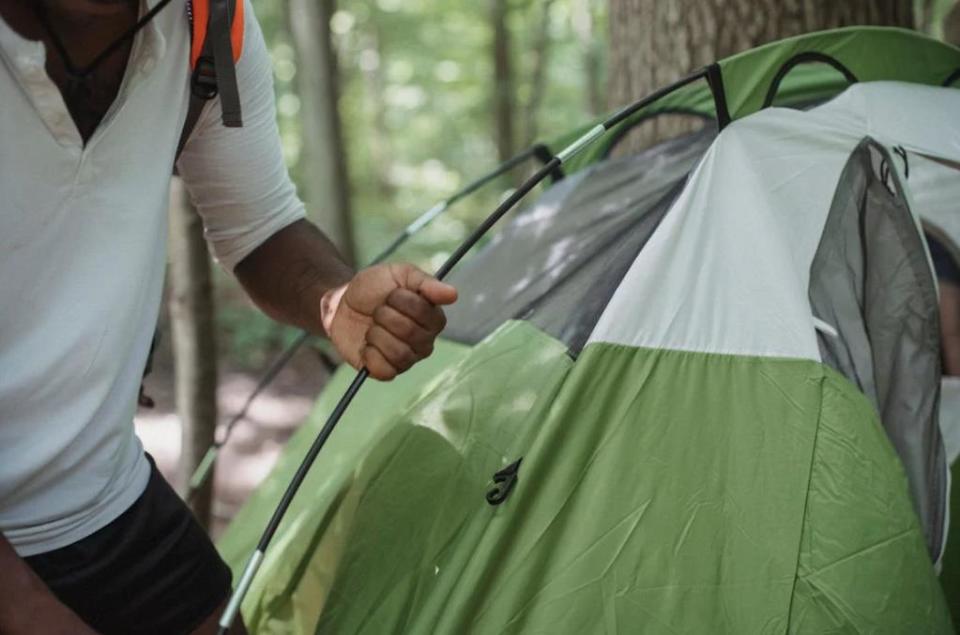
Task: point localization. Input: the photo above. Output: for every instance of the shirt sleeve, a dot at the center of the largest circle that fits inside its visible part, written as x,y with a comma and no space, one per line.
236,177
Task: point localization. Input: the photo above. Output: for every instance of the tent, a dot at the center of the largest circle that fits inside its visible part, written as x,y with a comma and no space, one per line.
691,390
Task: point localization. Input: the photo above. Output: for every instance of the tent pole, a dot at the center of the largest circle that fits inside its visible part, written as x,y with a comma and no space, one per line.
205,468
236,599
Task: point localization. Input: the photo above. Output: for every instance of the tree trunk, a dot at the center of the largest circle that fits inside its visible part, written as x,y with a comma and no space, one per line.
538,72
655,42
583,19
194,342
375,86
326,186
951,26
503,89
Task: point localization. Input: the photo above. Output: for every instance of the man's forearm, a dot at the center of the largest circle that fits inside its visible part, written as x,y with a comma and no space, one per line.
289,273
27,605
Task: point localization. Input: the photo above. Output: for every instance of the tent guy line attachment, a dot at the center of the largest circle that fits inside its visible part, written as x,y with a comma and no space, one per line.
256,559
205,468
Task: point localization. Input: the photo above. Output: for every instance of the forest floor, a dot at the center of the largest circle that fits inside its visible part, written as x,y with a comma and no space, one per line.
255,443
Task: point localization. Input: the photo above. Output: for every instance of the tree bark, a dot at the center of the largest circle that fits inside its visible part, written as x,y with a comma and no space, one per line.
538,72
655,42
194,343
375,85
503,88
583,27
951,26
326,186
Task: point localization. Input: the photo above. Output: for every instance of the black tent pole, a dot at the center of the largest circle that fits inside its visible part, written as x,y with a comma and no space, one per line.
204,468
256,559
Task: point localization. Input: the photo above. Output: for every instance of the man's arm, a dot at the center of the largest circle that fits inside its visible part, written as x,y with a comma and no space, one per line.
27,606
288,275
385,318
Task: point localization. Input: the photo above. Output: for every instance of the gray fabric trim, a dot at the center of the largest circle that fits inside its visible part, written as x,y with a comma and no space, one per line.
558,262
870,279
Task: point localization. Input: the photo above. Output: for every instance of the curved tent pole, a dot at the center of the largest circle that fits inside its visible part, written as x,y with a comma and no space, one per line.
618,135
256,559
806,57
205,467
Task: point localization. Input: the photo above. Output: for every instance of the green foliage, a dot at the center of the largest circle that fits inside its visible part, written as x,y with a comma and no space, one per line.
249,336
415,102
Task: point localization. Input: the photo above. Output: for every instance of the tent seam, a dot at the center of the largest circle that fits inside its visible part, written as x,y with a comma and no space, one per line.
806,501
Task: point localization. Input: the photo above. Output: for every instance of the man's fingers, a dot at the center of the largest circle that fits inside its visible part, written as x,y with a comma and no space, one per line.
396,352
396,316
436,292
404,329
377,365
418,309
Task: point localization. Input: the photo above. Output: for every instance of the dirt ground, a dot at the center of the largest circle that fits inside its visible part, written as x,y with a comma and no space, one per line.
255,443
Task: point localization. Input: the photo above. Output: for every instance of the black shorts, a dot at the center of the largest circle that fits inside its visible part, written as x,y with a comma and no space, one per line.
152,570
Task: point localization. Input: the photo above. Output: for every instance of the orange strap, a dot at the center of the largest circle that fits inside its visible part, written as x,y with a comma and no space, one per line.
201,17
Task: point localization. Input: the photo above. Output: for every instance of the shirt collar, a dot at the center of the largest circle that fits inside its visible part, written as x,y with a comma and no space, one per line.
27,55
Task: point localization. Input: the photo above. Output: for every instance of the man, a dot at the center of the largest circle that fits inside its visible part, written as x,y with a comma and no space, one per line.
93,539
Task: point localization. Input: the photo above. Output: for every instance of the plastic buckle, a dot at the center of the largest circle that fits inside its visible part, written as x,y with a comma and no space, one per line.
203,81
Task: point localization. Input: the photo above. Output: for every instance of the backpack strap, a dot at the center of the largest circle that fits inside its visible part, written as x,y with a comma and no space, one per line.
217,43
193,116
212,68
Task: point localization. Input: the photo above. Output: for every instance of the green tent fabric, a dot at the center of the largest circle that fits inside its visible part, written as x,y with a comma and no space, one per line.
298,569
693,466
870,53
422,541
950,577
719,533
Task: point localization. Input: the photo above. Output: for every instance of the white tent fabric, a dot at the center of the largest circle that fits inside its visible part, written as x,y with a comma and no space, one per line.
950,416
935,194
766,184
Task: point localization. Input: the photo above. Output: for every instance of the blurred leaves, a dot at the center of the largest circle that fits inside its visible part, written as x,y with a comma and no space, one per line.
415,101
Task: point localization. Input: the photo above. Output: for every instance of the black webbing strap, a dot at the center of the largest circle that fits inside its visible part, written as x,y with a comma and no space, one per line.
205,80
544,155
218,36
715,82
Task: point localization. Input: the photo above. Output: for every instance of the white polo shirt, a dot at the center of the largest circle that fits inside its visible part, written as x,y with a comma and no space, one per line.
82,256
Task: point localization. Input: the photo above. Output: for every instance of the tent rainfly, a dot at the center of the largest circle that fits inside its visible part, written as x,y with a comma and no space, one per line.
690,390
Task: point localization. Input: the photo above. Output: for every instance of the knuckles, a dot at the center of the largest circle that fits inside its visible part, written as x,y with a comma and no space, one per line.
418,309
381,314
405,329
377,365
402,333
405,359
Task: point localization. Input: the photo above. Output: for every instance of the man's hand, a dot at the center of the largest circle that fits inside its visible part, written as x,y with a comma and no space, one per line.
386,318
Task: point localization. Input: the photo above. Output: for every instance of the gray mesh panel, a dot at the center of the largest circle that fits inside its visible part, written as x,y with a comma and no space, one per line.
558,262
870,279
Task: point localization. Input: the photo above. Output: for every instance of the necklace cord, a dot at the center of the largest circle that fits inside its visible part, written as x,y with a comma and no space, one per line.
81,74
